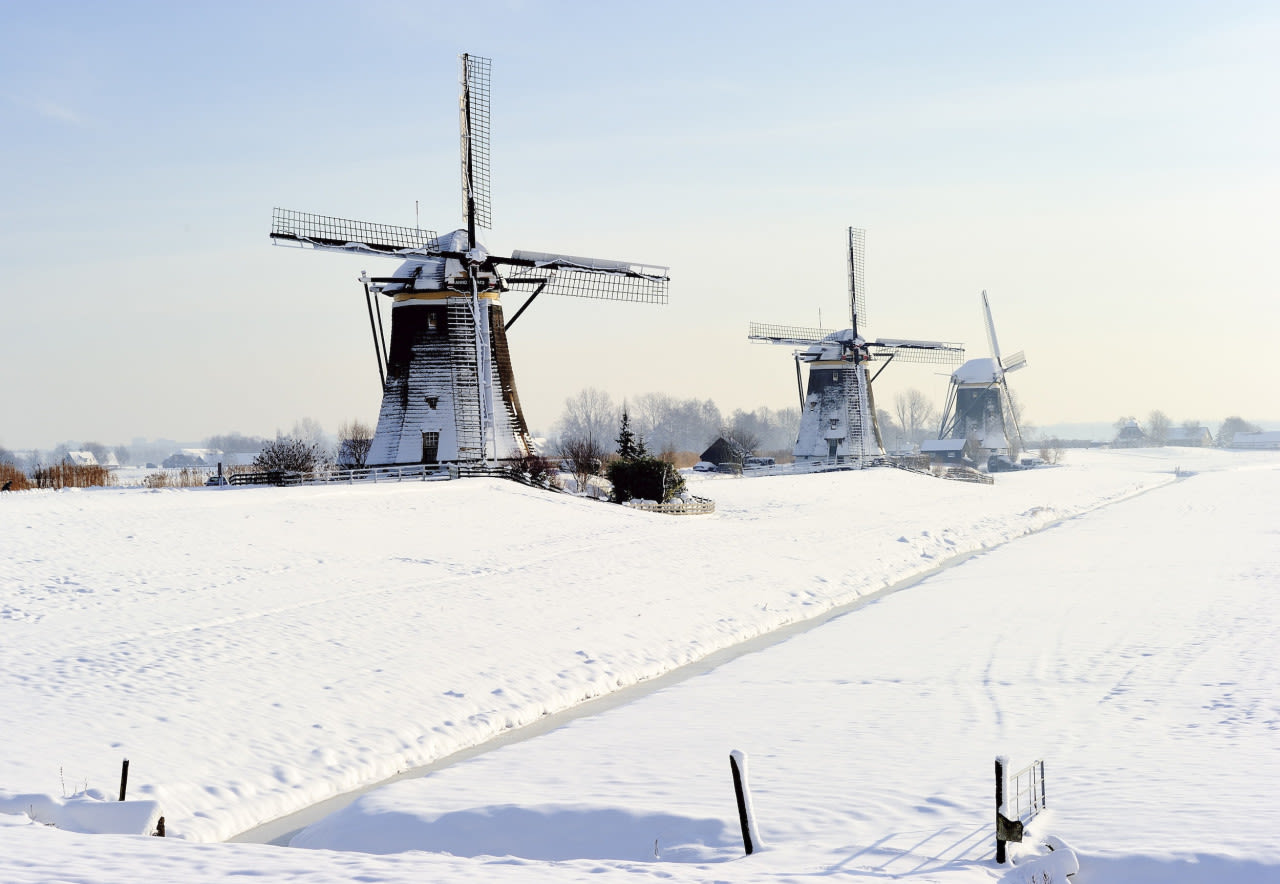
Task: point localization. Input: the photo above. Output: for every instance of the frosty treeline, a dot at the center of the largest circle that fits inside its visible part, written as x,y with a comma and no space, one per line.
668,423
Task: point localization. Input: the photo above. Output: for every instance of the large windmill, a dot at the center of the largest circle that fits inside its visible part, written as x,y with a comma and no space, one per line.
449,393
978,402
837,412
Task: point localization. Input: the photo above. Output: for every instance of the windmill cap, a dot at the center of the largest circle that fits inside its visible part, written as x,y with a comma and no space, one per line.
977,371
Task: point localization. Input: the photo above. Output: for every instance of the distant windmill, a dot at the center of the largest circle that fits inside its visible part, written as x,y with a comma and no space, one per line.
978,404
449,392
837,412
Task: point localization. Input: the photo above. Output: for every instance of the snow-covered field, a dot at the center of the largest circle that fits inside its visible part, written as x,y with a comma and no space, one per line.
256,651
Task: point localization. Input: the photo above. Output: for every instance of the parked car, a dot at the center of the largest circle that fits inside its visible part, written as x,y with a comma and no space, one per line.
216,480
1000,463
704,466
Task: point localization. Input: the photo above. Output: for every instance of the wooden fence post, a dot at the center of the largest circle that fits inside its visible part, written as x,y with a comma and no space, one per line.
124,777
999,808
746,814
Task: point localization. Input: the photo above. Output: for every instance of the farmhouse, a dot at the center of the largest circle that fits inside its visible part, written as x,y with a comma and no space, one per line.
1190,437
1268,439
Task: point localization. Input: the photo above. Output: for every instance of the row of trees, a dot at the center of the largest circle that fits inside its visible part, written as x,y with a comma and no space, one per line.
668,424
1157,428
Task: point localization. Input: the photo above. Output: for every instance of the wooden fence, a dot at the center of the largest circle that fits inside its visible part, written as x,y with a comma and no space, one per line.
695,506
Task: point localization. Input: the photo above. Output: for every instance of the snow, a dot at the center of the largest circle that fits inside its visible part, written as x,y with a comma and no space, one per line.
870,640
977,371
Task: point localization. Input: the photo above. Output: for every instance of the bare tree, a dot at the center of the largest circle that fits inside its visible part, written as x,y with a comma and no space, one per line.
1051,451
915,414
355,438
287,455
1158,424
890,433
742,429
585,459
309,431
236,443
650,412
589,416
1231,426
1021,429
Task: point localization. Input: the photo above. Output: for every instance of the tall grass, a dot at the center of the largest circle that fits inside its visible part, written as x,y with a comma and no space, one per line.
187,477
15,478
71,476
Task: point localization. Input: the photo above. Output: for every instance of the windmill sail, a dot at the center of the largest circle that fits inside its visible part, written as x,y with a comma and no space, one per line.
474,129
306,230
858,278
791,335
590,277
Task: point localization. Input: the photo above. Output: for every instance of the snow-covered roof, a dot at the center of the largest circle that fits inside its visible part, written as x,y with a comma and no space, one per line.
977,371
941,445
1266,439
995,441
430,272
81,459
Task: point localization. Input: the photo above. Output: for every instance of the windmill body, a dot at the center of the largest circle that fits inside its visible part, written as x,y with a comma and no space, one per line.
837,418
978,402
838,424
448,389
436,390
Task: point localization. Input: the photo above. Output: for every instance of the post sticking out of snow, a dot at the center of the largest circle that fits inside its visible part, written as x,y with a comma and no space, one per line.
124,777
1000,763
746,814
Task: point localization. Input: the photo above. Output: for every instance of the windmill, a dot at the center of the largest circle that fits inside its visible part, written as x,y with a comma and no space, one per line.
448,389
978,403
837,412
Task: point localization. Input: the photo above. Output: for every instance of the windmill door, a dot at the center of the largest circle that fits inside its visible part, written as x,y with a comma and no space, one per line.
430,446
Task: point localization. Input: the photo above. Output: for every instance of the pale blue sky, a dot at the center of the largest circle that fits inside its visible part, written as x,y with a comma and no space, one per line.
1107,171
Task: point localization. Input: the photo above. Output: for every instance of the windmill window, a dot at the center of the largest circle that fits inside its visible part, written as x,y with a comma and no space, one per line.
432,401
835,422
430,446
433,324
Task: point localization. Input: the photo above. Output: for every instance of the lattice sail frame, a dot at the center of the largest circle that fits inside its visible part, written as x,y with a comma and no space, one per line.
791,335
925,352
858,278
576,277
474,129
304,229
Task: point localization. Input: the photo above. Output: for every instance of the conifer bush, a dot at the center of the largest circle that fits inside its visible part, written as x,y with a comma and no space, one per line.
644,478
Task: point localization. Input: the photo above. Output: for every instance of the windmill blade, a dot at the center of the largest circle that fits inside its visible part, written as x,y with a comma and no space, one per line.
791,335
1016,361
304,230
577,277
857,278
991,330
474,125
930,352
